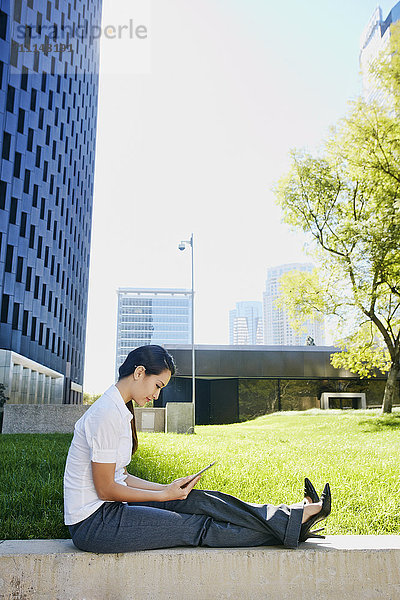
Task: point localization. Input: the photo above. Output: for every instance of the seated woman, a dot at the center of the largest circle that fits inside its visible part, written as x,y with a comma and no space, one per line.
109,510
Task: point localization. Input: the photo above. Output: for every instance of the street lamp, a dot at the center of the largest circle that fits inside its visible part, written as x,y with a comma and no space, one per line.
183,244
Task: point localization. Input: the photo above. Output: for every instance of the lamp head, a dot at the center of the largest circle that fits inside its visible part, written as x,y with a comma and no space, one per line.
181,246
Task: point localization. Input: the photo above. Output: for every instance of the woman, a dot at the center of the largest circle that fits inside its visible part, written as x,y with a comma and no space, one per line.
109,510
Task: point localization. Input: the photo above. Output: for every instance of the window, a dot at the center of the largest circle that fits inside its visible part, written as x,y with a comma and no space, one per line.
20,266
44,293
28,279
10,98
1,74
48,12
36,290
24,79
33,329
17,164
3,25
39,17
21,120
25,322
35,195
32,237
44,78
42,208
33,99
3,192
41,118
6,146
17,10
28,37
15,317
4,308
40,245
13,210
38,155
22,227
29,145
41,327
9,258
14,53
27,180
36,61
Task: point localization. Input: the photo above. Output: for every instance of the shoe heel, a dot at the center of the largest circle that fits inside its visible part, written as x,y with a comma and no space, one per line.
313,534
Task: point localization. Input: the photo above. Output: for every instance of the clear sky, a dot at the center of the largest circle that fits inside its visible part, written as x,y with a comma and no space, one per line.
194,128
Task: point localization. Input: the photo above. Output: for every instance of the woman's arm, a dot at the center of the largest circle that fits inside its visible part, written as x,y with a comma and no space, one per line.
108,489
143,484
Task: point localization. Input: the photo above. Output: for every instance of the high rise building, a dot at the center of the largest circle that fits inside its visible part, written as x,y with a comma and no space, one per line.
245,324
374,40
277,328
49,63
152,316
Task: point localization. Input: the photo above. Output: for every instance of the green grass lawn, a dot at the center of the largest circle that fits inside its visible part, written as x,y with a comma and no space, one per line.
263,460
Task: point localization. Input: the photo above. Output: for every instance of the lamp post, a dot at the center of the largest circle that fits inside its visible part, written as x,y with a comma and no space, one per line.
183,244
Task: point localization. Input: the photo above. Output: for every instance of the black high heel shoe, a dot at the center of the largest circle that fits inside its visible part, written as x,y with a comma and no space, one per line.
309,491
305,532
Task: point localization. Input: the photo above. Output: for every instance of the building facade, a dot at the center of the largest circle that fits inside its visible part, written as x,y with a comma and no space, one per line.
152,316
48,115
240,383
277,327
246,324
374,40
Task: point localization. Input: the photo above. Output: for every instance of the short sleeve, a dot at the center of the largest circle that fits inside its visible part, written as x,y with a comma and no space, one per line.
102,436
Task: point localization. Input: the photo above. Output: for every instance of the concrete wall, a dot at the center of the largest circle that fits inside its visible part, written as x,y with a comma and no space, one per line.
36,418
150,419
178,417
339,567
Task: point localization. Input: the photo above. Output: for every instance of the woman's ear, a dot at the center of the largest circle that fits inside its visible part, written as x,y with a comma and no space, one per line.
139,372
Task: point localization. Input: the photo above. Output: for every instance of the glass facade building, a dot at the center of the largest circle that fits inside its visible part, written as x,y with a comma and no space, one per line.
48,114
278,330
152,316
374,40
246,324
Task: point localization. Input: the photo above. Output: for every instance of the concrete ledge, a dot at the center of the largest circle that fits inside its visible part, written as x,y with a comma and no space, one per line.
344,567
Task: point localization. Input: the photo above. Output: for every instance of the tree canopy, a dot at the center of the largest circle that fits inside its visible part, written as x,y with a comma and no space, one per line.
347,200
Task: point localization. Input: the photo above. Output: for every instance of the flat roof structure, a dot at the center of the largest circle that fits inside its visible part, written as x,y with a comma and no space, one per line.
285,362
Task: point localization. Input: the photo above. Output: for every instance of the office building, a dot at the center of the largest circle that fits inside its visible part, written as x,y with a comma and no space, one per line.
245,324
374,40
152,316
277,327
48,113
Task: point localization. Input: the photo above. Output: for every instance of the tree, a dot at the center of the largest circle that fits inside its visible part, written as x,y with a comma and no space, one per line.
348,201
90,398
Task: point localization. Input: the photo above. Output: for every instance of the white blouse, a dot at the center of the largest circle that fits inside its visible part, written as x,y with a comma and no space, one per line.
103,434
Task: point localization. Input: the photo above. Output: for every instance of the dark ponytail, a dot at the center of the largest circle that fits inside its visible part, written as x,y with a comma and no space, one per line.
155,359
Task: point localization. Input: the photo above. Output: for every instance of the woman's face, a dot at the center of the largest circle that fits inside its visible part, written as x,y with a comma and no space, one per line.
147,387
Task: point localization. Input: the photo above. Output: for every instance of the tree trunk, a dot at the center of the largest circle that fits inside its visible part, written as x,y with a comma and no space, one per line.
391,394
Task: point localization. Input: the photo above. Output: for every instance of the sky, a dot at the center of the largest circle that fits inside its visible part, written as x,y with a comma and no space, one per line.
198,111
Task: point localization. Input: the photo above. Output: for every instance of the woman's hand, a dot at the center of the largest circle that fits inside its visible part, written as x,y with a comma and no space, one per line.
174,491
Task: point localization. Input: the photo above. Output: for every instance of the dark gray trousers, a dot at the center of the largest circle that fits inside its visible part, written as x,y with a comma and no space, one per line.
205,518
